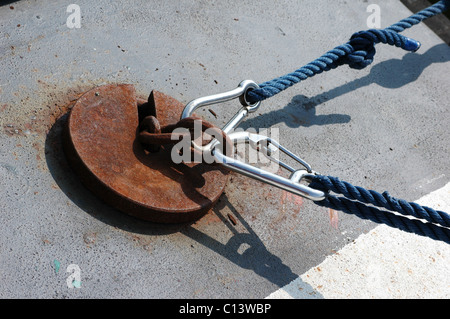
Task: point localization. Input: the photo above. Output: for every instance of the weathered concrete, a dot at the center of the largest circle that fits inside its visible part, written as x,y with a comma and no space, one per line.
384,128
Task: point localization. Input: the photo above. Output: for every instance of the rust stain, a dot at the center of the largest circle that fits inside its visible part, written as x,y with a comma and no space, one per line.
12,129
291,198
141,241
38,110
334,220
257,201
46,241
288,211
89,238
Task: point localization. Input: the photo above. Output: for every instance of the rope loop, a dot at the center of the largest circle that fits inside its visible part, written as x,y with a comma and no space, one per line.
363,45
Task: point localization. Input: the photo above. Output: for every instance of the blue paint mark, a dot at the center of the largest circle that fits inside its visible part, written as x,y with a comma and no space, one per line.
57,265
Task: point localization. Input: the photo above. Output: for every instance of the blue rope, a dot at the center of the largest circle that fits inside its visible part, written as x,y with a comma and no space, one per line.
379,216
355,198
356,193
358,52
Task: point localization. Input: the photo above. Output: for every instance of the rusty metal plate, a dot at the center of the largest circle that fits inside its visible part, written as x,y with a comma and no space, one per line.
101,145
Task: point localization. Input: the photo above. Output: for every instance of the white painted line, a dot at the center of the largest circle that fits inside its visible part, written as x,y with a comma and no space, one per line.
384,263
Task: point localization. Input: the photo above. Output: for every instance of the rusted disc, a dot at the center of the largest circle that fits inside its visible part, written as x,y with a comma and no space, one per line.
101,145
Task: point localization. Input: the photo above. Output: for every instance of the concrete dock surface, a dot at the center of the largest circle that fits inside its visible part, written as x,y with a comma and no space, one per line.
385,128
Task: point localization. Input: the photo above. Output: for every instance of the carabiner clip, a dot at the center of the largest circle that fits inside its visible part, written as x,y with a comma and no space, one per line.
240,92
291,184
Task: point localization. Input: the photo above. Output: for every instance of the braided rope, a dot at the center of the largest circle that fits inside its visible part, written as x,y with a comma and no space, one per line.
385,200
358,53
383,217
355,198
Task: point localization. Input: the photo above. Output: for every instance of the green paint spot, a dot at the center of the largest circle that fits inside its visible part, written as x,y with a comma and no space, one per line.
57,265
76,283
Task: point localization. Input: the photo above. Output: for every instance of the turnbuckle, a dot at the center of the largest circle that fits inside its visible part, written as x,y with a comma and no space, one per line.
261,143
